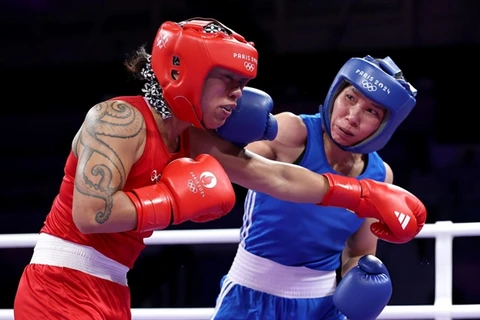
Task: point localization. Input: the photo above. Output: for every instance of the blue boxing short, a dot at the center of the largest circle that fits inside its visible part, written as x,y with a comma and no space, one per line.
260,289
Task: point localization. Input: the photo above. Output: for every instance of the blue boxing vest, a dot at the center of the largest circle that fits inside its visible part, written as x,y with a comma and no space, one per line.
297,234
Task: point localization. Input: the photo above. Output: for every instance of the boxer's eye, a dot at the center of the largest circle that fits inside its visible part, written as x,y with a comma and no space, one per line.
243,82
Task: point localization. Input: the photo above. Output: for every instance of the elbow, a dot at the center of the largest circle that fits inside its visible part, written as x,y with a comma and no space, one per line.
83,221
82,225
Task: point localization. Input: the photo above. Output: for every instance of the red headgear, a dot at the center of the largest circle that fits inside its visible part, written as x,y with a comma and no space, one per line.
184,53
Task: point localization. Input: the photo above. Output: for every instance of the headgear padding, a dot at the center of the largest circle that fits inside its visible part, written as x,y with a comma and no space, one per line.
376,81
184,53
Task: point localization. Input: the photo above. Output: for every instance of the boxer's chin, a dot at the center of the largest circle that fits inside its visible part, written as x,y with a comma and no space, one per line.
213,125
215,122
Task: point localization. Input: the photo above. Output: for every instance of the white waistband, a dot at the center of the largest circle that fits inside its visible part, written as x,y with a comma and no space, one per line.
270,277
53,251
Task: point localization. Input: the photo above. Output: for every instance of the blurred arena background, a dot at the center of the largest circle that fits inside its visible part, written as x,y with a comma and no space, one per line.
59,58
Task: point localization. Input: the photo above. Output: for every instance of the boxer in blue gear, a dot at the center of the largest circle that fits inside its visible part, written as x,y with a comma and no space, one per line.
286,260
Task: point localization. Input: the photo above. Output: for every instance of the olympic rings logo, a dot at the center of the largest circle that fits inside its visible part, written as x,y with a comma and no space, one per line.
369,86
191,186
249,66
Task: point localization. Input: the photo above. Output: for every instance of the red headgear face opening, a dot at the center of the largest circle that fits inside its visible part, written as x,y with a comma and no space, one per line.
184,53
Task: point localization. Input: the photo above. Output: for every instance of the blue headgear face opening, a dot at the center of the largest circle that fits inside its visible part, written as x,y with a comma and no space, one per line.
376,81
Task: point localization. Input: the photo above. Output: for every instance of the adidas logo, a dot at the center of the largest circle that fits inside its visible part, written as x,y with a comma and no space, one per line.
403,219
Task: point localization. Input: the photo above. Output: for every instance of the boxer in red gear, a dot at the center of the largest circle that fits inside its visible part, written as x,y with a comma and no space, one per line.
138,164
129,173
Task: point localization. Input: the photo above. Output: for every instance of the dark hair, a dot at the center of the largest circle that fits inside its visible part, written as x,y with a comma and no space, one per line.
136,62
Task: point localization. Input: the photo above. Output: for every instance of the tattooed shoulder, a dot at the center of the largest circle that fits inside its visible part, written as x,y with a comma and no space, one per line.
115,119
101,167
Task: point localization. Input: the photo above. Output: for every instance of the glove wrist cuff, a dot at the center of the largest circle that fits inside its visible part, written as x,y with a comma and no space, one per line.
344,192
154,207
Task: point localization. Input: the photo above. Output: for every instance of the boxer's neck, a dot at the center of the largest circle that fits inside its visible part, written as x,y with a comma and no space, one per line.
344,162
170,130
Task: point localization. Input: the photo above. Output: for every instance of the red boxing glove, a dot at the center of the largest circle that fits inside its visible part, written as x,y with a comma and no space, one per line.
188,189
401,215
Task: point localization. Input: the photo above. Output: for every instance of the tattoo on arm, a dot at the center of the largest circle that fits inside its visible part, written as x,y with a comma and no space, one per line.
105,175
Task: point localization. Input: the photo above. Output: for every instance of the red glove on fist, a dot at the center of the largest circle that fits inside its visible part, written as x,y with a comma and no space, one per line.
401,215
188,189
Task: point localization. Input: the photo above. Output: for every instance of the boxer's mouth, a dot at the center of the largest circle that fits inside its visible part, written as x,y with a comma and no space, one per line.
348,133
229,108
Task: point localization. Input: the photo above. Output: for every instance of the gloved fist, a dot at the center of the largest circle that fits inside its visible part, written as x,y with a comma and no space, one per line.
365,290
251,120
401,215
189,189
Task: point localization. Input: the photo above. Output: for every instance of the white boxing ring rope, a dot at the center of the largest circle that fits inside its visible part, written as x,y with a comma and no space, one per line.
442,309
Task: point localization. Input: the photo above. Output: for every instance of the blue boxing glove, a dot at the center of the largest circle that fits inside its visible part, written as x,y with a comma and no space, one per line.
251,120
364,291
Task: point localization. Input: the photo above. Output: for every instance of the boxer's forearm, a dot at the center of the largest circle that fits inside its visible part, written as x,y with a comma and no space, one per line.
281,180
96,216
360,244
348,263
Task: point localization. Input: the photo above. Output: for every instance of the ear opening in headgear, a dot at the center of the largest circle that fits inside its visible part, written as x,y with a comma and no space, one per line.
175,74
176,61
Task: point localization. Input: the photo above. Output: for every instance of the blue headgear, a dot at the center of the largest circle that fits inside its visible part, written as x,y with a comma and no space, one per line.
376,81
